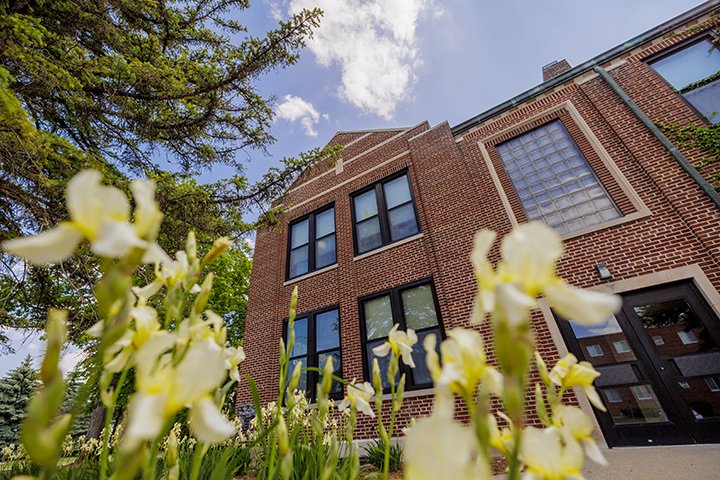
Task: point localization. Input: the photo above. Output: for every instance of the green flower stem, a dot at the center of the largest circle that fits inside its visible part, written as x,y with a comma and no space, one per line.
200,451
109,414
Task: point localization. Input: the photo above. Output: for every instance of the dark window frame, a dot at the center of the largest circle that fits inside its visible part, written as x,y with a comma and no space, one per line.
673,50
398,313
382,214
312,354
312,240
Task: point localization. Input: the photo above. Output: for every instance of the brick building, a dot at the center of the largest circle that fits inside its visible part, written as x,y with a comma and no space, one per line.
383,235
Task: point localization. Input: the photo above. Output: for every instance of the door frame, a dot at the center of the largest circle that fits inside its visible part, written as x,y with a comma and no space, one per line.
691,272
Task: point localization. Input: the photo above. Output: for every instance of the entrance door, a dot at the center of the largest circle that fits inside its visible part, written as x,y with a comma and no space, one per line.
659,360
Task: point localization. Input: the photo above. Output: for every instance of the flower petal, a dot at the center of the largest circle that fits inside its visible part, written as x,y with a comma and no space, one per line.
513,304
202,370
529,255
157,344
115,239
50,246
155,254
581,306
208,424
146,416
147,212
593,452
82,196
382,350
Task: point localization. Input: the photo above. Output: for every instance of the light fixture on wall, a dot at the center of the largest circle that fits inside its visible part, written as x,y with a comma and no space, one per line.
603,271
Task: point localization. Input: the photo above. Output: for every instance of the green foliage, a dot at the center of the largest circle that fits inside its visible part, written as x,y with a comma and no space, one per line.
220,462
375,455
157,89
75,382
706,138
230,289
15,392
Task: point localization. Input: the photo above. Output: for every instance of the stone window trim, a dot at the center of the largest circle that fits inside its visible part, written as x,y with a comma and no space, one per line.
613,181
311,355
312,244
399,318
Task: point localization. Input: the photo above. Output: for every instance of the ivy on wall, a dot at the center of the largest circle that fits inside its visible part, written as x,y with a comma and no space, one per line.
705,137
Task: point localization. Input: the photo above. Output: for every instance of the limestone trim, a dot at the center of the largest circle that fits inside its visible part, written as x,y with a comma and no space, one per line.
311,274
389,246
352,179
361,154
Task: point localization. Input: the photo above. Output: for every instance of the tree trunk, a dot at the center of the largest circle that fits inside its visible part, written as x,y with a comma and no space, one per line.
97,419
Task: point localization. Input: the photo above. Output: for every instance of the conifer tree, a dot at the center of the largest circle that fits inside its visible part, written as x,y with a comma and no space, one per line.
15,392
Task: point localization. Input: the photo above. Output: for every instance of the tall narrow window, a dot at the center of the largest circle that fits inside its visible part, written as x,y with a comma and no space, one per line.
384,213
554,181
694,72
317,337
311,245
410,306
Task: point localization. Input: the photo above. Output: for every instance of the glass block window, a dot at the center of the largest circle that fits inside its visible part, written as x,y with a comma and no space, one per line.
554,180
317,337
412,307
311,243
384,213
694,72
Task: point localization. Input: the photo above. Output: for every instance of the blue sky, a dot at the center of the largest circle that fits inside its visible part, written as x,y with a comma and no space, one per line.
389,63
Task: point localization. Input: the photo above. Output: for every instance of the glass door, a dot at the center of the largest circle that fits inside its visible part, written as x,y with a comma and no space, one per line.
682,337
660,367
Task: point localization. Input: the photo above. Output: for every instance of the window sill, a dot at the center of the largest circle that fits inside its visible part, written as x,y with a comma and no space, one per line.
424,392
642,213
311,274
388,247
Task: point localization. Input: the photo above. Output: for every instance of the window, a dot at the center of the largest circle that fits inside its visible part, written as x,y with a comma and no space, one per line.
642,392
694,72
687,337
595,350
317,337
311,243
712,384
621,346
411,306
384,214
658,340
554,181
612,395
684,385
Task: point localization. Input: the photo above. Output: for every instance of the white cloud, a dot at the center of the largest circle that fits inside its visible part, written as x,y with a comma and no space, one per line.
70,360
374,43
295,108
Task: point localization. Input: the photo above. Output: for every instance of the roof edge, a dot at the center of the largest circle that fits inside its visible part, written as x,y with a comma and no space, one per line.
588,65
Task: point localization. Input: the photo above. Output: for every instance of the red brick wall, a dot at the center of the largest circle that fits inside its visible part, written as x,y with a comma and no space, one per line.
456,196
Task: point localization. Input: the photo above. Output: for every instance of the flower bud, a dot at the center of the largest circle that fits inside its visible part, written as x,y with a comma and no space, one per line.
377,384
542,369
191,246
282,432
286,467
204,295
55,332
295,378
327,376
218,248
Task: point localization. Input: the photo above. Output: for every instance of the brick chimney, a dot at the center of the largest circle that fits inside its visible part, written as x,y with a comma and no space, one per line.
553,69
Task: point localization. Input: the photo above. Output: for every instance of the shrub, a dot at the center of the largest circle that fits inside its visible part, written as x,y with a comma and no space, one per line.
375,455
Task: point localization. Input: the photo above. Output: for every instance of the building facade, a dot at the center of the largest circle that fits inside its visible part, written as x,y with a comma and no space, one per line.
383,235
